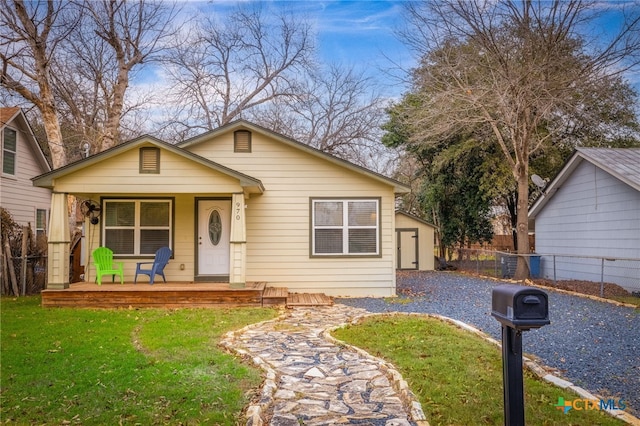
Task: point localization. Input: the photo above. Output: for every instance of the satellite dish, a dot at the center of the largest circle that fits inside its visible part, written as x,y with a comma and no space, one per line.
85,148
538,181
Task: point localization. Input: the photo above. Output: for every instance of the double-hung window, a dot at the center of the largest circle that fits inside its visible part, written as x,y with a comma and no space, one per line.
345,227
41,222
137,227
9,149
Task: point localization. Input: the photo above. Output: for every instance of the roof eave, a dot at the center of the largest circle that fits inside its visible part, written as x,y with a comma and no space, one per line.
32,140
398,187
46,180
574,161
549,191
603,166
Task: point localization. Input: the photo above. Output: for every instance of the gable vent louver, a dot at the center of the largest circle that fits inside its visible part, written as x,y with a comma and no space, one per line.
242,141
149,160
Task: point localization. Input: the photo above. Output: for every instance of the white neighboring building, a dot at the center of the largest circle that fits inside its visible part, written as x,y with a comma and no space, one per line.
22,159
591,209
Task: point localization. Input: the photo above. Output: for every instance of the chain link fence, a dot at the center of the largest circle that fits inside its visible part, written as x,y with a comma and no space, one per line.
23,276
570,270
23,257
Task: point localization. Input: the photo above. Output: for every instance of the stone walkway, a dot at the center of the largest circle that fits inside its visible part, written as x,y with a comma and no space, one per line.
313,380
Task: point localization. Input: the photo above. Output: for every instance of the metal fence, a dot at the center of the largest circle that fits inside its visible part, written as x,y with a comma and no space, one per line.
23,276
623,272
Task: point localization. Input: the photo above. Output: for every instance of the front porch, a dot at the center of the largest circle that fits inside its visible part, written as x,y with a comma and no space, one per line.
176,295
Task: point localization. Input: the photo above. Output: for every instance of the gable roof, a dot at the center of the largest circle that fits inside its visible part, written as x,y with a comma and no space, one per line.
11,114
621,163
416,218
6,114
250,184
399,187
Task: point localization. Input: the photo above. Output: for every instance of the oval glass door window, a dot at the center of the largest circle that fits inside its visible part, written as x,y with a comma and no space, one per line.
215,227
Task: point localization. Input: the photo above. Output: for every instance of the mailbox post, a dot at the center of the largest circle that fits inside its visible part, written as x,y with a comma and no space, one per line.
518,309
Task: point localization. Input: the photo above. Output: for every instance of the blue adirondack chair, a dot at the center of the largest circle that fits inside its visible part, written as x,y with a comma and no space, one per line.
157,266
103,261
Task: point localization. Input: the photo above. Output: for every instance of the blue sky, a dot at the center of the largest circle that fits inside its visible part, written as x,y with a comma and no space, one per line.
361,33
358,33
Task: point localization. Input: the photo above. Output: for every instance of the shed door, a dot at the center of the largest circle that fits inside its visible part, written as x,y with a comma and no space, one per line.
407,240
214,222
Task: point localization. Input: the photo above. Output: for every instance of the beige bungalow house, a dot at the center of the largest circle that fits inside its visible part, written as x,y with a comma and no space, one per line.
237,204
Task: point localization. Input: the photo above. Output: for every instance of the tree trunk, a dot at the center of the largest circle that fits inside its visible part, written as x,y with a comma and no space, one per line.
112,126
54,136
11,268
511,201
522,226
24,254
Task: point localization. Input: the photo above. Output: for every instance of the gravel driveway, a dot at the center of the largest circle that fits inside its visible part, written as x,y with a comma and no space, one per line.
595,345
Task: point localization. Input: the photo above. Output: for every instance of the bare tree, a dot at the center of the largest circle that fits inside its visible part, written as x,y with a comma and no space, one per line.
223,68
118,37
522,70
30,36
74,62
336,111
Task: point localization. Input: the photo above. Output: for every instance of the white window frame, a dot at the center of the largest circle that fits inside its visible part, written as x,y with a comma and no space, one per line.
43,229
345,227
137,228
6,151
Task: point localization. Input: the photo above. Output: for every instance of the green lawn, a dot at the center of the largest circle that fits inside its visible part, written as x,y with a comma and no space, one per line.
163,366
124,366
457,376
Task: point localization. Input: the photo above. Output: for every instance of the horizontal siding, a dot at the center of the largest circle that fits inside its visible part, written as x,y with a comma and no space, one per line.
17,193
22,201
121,175
278,221
183,245
592,214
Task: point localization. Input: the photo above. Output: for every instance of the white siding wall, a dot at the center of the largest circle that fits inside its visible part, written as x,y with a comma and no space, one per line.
17,193
592,214
278,221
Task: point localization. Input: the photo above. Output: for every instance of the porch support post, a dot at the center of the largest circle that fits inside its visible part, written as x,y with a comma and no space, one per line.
59,242
238,242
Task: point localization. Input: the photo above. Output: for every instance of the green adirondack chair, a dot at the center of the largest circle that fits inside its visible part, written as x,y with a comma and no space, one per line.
103,261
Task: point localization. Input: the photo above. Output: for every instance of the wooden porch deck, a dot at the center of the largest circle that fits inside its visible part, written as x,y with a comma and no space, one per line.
176,295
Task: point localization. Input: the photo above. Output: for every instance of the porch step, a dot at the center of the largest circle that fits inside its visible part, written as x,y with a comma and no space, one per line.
309,299
275,296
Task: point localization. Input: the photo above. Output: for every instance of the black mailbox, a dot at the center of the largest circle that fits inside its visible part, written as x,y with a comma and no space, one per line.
518,307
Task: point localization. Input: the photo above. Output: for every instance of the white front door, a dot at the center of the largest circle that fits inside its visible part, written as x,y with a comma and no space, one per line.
214,223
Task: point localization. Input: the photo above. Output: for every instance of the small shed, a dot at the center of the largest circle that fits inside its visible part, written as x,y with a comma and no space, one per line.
414,243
